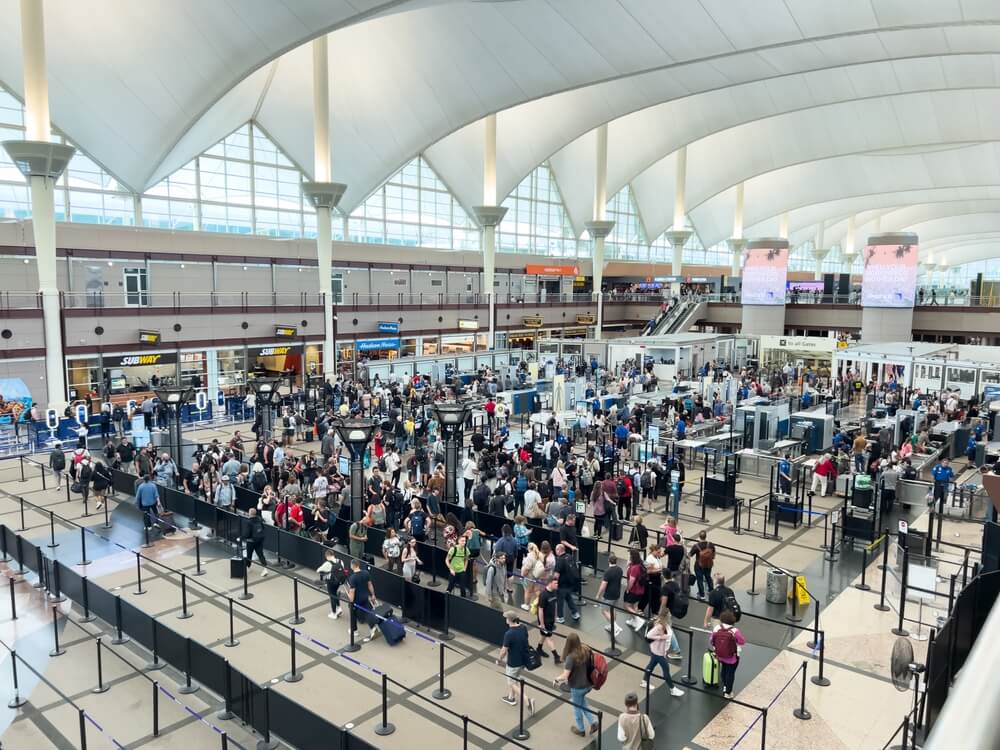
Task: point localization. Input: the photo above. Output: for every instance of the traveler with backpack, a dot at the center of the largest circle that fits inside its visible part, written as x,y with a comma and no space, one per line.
578,659
660,635
252,534
416,522
721,599
726,640
335,574
83,478
568,580
458,560
635,729
101,480
361,594
635,588
57,462
703,554
648,483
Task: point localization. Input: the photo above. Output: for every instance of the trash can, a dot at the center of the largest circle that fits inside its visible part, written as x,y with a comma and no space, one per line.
777,587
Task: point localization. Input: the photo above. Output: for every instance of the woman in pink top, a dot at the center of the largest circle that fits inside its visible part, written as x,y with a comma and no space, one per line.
726,640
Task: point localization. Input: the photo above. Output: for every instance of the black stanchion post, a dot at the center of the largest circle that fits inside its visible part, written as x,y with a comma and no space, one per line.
187,688
52,531
819,679
83,548
21,570
801,712
864,571
57,650
688,679
13,603
17,701
83,729
20,460
55,588
197,557
101,687
736,516
232,635
5,558
86,506
826,530
40,582
155,664
225,741
145,532
600,729
107,518
794,616
753,577
227,710
385,728
139,590
882,606
245,595
441,693
445,634
156,708
899,629
434,582
614,650
294,675
184,598
763,728
24,526
352,646
88,616
521,733
297,619
649,683
814,643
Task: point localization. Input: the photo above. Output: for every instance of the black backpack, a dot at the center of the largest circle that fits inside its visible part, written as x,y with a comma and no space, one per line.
621,488
679,602
729,602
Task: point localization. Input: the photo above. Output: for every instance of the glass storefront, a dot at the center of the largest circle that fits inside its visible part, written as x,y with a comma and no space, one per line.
194,371
458,344
82,377
232,369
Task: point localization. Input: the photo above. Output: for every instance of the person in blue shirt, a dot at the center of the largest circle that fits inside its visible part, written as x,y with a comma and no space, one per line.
916,402
146,497
943,475
979,431
785,475
681,428
838,440
621,433
807,400
970,449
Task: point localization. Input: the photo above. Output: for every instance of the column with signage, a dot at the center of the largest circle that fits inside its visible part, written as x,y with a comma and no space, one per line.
765,271
889,287
489,215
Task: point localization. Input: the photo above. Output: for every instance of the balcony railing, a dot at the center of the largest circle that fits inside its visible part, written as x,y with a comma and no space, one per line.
20,301
98,300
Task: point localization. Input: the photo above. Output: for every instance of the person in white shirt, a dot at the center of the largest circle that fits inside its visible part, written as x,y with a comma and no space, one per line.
470,470
392,466
532,503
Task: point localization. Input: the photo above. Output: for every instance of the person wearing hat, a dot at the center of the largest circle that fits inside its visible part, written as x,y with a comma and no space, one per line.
57,462
514,656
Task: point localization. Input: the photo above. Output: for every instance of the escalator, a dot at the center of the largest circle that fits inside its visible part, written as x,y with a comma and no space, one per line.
677,319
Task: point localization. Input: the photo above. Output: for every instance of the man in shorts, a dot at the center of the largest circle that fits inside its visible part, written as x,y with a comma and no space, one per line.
610,590
547,603
514,654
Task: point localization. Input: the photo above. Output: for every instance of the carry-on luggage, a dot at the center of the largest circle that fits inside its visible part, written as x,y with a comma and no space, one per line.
236,567
710,669
392,630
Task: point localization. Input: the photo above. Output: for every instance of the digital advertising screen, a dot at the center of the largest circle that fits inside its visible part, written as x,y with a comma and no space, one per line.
765,270
890,275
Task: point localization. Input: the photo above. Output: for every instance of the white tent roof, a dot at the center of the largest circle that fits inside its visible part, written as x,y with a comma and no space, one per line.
823,109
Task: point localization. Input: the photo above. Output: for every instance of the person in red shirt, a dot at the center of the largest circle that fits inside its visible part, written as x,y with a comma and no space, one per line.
295,516
822,472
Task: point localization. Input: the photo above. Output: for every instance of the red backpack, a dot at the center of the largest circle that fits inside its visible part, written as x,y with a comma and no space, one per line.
725,643
597,669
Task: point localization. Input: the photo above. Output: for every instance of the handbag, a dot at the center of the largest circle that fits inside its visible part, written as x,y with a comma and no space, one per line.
645,741
76,488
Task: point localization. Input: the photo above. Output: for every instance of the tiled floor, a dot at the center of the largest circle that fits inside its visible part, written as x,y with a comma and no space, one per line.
859,710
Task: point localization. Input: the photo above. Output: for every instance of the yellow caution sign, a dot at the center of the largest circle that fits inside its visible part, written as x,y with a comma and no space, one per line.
799,590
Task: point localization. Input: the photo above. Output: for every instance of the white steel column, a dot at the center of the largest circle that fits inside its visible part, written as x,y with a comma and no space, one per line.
783,226
42,161
819,251
600,227
324,195
849,248
679,232
489,216
737,243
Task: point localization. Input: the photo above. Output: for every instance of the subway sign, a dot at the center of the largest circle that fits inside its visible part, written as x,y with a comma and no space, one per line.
532,321
149,337
286,332
586,320
143,360
274,351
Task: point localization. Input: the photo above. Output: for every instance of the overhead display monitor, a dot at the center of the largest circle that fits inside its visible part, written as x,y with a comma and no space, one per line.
765,271
890,271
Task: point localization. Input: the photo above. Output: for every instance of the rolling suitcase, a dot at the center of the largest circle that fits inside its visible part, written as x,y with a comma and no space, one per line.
710,669
392,629
237,565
